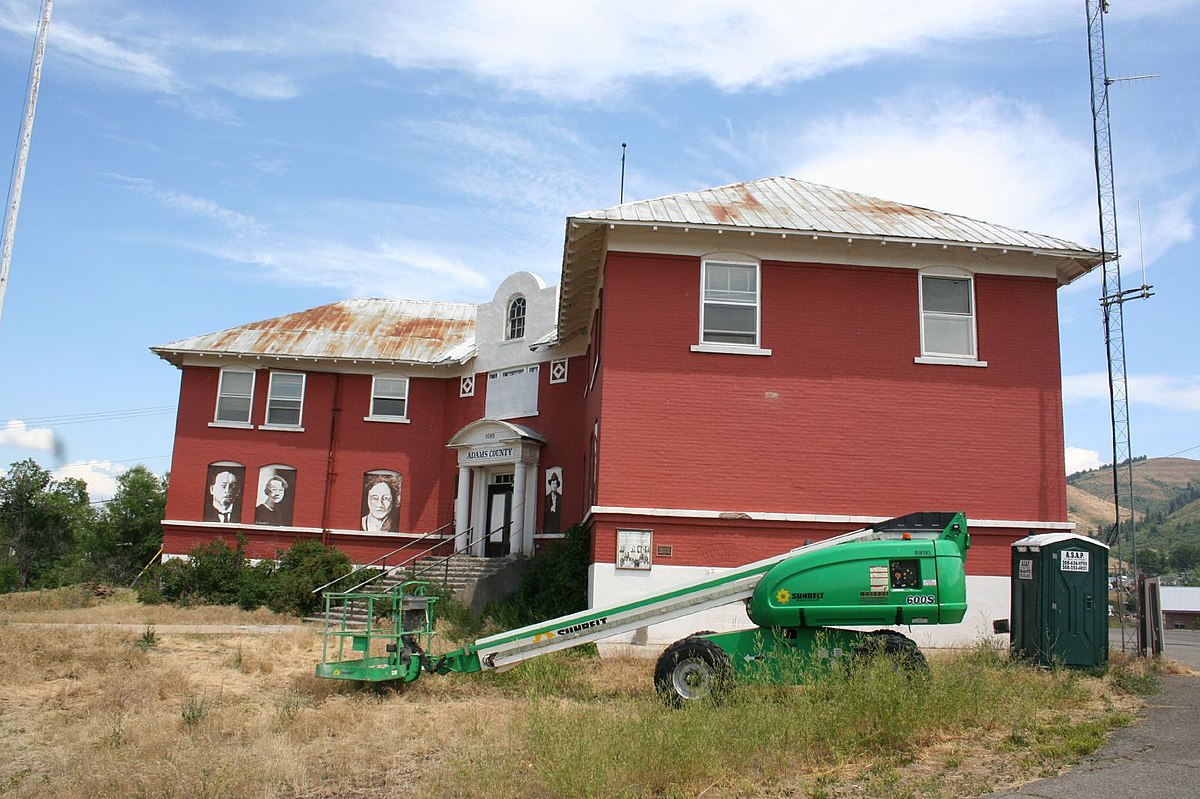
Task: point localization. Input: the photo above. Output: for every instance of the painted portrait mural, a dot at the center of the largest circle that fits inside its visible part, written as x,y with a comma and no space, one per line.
276,497
223,492
381,501
552,518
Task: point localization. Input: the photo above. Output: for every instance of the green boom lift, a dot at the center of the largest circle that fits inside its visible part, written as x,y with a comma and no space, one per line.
903,571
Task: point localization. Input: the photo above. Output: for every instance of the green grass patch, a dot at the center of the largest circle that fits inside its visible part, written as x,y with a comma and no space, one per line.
574,739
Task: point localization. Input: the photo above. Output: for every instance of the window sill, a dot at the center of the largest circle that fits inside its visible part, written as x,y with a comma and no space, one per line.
391,419
233,425
285,428
730,349
942,361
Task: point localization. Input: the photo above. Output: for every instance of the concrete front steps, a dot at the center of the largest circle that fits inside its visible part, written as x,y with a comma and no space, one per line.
473,581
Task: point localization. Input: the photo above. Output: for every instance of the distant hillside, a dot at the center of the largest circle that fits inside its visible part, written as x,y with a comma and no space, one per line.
1166,501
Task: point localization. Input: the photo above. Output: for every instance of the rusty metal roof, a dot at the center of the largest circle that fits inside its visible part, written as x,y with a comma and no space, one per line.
787,204
783,205
401,331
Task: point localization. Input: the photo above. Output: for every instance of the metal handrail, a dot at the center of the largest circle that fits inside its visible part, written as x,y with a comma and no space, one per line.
385,556
416,557
445,562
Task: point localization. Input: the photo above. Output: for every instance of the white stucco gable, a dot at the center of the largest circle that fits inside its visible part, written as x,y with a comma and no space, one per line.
495,351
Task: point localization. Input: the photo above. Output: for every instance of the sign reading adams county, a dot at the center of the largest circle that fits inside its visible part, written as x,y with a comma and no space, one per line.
491,454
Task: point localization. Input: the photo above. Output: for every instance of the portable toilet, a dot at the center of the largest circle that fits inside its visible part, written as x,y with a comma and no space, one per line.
1060,600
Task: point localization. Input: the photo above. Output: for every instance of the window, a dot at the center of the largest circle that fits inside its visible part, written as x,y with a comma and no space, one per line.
234,393
389,398
729,308
285,398
512,393
947,316
516,319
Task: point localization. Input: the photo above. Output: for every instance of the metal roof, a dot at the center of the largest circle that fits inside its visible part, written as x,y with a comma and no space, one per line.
787,204
1179,598
404,331
783,205
1046,539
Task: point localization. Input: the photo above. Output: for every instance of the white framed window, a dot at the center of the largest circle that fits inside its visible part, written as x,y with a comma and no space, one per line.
730,307
235,392
512,393
948,318
389,399
285,400
515,329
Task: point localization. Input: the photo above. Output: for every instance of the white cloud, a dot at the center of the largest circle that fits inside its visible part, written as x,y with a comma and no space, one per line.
17,435
261,86
984,157
1165,224
100,476
389,268
1079,459
1169,392
580,49
195,206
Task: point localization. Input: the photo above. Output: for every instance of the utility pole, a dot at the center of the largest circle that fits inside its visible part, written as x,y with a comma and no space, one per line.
18,177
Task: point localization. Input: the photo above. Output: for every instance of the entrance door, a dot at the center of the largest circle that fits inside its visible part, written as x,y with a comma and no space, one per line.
499,520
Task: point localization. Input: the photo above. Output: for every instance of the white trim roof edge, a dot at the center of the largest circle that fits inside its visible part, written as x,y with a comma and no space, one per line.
686,513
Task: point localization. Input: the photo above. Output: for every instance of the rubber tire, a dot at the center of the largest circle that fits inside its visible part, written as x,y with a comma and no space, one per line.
894,645
693,669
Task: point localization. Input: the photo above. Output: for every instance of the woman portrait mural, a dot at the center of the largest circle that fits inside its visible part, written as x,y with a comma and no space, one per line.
381,501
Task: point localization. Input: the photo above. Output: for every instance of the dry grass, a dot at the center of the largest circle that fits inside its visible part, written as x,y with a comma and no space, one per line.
81,605
93,714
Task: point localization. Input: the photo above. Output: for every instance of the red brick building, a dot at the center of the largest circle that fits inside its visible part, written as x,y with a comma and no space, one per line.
719,376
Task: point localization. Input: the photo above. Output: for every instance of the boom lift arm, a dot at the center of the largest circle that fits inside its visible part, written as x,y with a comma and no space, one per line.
907,570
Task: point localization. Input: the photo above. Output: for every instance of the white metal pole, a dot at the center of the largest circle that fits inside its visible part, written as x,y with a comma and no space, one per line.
18,180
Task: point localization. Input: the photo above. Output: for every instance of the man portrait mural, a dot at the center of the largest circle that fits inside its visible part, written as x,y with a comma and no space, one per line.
223,493
551,519
381,502
276,495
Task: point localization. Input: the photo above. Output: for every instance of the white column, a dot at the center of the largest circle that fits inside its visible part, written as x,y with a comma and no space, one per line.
533,492
479,511
517,540
462,509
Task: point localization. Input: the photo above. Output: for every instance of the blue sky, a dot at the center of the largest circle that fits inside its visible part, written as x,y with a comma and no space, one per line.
197,166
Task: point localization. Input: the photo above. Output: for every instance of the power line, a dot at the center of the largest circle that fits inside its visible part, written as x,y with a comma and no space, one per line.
96,416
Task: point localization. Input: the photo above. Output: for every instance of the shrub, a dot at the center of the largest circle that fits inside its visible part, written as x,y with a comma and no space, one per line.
554,585
255,584
303,568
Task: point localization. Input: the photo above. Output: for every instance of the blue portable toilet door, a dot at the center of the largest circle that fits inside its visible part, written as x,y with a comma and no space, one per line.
1072,633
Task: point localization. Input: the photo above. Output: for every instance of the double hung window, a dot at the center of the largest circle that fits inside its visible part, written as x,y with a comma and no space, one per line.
730,306
389,399
234,394
285,399
948,317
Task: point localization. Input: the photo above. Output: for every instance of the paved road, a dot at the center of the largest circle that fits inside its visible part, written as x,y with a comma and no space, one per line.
1182,646
1155,758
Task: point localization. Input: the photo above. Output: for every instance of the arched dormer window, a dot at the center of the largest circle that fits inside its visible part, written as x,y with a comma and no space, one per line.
516,319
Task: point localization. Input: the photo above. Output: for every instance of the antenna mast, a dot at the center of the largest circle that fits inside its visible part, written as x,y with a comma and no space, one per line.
18,179
1113,297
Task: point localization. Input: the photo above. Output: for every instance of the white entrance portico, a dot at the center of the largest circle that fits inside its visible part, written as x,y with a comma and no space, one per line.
496,508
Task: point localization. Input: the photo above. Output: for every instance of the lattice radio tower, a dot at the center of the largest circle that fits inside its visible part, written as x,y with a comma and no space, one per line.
1113,298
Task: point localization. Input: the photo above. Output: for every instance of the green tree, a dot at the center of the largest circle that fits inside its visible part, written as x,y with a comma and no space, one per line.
1185,557
41,520
1152,561
128,531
